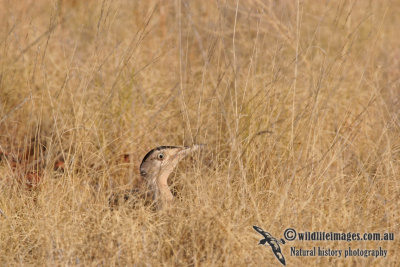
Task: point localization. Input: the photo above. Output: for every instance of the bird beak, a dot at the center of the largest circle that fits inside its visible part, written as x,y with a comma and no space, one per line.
188,150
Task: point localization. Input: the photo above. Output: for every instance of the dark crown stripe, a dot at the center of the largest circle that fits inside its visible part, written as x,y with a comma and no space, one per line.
156,149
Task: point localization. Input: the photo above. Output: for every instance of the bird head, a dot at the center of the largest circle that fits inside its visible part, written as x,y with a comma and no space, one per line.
159,162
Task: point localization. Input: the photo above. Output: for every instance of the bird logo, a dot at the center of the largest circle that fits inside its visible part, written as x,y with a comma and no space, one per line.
273,242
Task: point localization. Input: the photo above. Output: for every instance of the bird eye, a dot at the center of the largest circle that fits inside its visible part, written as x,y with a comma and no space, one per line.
160,156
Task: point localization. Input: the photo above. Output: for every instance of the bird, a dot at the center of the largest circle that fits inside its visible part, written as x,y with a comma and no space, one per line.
273,242
155,169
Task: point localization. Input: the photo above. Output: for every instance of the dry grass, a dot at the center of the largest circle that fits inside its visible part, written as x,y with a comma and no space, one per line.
298,103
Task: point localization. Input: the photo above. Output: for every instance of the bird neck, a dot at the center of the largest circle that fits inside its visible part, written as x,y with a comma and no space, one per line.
158,185
162,185
165,194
